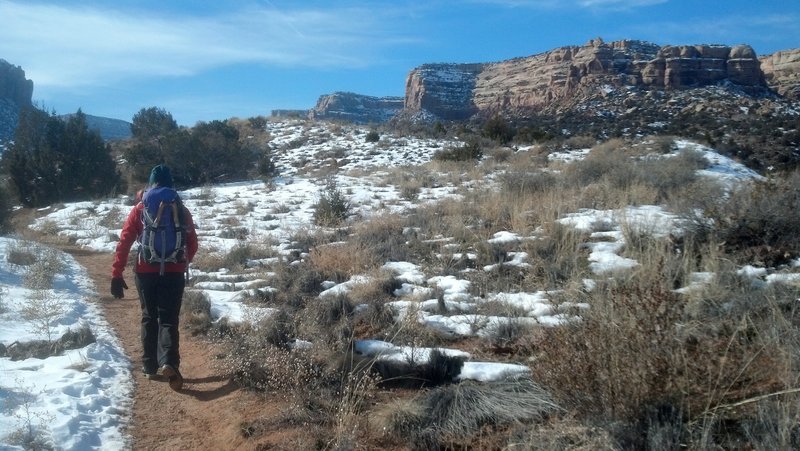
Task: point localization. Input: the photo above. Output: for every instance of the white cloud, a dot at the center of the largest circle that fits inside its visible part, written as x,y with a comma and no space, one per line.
71,46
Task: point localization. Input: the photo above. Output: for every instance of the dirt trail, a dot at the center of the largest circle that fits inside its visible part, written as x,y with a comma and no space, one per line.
205,415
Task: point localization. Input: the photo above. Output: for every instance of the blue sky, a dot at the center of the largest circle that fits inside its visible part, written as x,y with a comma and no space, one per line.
215,59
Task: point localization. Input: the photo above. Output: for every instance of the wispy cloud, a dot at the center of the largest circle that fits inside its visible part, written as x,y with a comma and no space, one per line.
74,46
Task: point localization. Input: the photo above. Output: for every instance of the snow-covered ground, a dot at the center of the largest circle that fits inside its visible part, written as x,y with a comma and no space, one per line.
78,400
90,404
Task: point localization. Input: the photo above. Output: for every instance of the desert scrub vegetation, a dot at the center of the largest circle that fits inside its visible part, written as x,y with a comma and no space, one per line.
760,222
332,208
468,152
196,313
661,369
684,349
234,259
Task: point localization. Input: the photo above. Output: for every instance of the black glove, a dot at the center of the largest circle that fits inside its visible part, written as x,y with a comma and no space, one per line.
117,284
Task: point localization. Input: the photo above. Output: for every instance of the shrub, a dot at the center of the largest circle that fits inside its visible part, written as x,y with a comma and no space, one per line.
382,237
760,221
670,174
21,257
603,163
372,137
196,312
663,367
340,261
237,257
501,154
258,365
328,321
265,166
257,122
467,152
332,207
558,434
616,376
40,274
532,135
6,203
521,183
42,349
295,284
410,189
41,309
275,328
498,129
580,142
32,429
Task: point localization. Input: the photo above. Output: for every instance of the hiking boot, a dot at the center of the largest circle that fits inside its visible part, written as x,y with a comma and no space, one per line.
173,376
150,374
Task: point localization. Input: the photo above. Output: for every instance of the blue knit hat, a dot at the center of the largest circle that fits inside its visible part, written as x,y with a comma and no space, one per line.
161,176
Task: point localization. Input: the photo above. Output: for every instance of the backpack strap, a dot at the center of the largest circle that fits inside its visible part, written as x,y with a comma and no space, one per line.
159,214
175,216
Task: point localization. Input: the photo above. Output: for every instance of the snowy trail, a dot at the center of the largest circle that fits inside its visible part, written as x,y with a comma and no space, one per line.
206,414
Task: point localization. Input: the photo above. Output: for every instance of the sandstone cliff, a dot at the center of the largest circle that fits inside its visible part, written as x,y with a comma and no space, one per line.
782,72
15,93
13,84
445,90
356,108
563,78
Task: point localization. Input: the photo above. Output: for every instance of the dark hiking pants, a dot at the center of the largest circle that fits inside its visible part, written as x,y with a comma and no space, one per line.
160,298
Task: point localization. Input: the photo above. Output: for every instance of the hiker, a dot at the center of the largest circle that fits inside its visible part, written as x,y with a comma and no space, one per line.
164,229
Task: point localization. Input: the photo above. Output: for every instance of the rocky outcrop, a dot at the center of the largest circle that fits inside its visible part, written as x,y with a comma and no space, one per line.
782,72
562,78
444,90
15,93
109,129
13,84
287,113
356,108
700,65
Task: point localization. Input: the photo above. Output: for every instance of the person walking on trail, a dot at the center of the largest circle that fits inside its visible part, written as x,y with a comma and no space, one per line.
164,230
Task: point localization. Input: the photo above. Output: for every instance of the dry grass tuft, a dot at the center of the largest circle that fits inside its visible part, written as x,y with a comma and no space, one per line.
559,434
450,416
196,312
342,260
328,322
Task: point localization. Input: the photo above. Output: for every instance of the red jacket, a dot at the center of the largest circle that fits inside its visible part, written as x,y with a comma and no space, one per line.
130,232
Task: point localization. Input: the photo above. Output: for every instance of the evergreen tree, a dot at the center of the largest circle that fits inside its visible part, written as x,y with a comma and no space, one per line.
152,124
26,160
5,208
498,129
208,152
52,160
218,155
